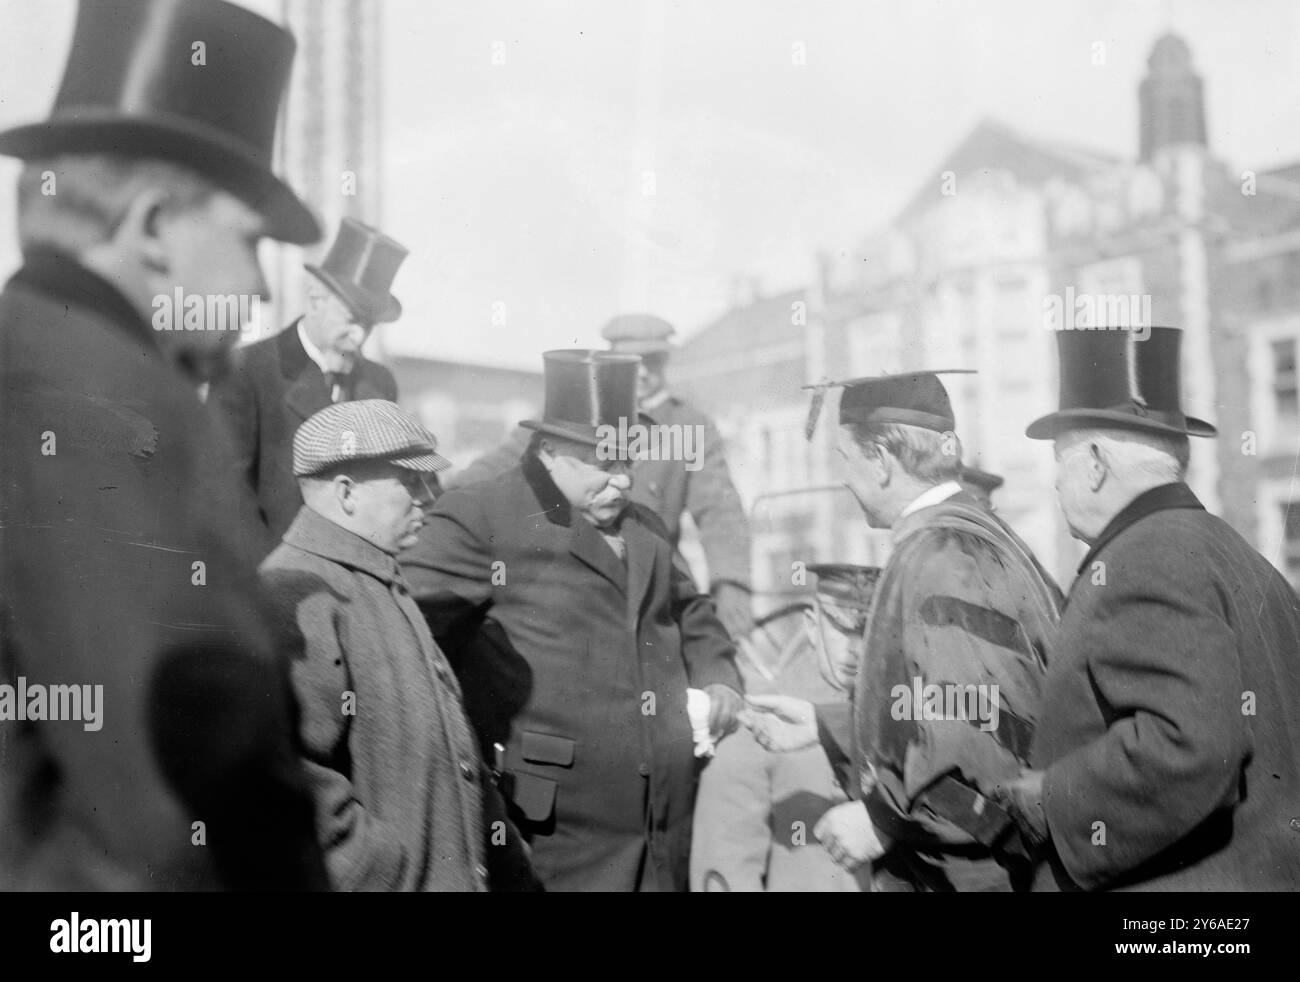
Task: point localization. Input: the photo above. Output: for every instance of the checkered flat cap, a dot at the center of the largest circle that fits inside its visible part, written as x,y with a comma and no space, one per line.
367,429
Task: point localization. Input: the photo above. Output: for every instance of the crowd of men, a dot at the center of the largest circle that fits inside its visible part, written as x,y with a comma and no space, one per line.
322,670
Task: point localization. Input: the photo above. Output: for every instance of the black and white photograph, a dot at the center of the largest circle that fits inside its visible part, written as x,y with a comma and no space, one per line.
649,446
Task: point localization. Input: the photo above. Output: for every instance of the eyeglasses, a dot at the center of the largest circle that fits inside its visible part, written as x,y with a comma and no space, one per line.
417,485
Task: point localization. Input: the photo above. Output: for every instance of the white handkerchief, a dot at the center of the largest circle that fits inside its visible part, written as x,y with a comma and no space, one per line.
697,709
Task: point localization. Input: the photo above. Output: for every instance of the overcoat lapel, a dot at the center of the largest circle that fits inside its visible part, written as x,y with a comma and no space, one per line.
306,393
590,547
586,544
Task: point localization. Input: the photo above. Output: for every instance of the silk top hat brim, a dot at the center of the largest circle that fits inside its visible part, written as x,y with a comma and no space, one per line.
369,308
240,170
586,390
1053,424
359,269
1120,379
197,83
579,434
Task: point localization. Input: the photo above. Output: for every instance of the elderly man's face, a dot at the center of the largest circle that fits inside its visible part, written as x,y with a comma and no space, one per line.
211,251
1076,475
333,327
598,489
389,505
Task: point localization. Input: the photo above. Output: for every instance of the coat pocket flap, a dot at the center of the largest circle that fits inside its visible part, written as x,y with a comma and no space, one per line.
542,748
534,796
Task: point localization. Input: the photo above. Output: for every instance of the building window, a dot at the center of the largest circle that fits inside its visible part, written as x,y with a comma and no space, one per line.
1285,396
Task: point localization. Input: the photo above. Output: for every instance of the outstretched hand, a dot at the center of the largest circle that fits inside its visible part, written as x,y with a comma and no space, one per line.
781,723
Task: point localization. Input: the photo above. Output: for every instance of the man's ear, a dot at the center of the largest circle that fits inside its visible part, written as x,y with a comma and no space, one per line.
1098,467
141,231
345,493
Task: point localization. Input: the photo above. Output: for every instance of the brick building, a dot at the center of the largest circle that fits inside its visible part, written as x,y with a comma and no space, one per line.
1008,229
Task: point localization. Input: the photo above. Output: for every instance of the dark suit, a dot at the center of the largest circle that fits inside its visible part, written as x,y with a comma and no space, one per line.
272,389
1168,725
593,657
120,567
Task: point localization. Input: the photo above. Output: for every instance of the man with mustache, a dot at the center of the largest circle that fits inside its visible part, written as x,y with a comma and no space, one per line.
670,488
390,756
279,382
576,635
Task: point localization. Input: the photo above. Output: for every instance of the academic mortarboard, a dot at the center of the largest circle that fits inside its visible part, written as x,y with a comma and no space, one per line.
910,398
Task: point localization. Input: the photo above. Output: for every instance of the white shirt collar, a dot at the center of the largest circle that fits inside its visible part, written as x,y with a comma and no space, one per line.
313,352
931,496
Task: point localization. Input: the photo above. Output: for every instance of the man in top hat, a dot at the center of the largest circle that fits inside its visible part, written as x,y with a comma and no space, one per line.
121,563
279,382
666,486
947,699
757,810
576,637
1167,756
395,772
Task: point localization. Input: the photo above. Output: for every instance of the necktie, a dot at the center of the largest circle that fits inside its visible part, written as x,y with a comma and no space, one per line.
615,542
336,383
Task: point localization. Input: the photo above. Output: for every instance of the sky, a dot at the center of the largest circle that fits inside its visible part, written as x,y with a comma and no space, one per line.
551,164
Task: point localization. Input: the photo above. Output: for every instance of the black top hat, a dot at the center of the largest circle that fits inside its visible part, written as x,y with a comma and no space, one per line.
360,268
132,87
1118,378
911,398
585,390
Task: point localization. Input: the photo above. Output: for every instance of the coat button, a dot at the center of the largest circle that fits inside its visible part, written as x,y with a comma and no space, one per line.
643,770
466,771
1295,825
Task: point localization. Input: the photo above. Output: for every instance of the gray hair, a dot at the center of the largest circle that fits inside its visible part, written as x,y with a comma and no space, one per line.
1160,457
75,201
924,454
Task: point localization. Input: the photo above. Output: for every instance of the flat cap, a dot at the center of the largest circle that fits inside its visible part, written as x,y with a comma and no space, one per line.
638,334
367,429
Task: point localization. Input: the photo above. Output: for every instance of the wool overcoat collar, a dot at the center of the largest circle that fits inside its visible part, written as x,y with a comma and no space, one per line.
60,275
1162,498
319,536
